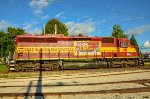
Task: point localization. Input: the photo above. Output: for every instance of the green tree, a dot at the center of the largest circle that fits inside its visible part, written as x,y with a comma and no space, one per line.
11,35
133,41
80,34
50,27
118,32
2,34
8,39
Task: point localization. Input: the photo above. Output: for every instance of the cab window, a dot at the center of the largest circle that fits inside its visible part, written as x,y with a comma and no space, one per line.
124,44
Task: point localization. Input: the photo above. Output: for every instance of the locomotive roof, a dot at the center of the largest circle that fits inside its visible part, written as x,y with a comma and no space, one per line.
40,35
52,35
61,36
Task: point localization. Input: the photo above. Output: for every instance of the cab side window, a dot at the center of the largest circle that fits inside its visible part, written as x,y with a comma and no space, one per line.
124,44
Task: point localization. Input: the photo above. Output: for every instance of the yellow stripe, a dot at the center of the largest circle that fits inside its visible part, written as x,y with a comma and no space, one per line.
114,49
129,49
108,49
70,58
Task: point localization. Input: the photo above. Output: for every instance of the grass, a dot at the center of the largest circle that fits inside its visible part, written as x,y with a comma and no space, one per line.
146,63
3,68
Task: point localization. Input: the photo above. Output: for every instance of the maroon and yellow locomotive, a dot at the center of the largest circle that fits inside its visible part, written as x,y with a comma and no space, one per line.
52,51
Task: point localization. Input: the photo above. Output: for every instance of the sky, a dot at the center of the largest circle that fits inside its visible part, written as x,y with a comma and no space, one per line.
89,17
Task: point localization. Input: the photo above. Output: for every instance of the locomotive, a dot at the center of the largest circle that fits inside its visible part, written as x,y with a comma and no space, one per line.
53,51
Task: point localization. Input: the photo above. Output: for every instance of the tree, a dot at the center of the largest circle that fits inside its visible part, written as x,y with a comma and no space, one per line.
133,41
11,35
2,34
118,32
8,39
50,27
80,34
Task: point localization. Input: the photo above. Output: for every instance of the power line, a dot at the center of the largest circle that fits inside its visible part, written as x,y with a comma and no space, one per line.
102,9
112,11
105,10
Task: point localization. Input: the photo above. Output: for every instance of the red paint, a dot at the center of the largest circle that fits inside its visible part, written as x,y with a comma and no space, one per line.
52,40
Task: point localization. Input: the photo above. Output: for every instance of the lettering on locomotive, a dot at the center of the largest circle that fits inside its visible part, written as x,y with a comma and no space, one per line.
44,49
87,47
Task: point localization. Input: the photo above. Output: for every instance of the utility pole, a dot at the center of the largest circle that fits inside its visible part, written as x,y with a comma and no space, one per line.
55,28
44,30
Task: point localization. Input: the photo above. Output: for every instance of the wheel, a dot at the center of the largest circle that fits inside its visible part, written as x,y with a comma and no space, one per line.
22,68
136,63
109,64
55,67
132,65
112,65
17,67
124,65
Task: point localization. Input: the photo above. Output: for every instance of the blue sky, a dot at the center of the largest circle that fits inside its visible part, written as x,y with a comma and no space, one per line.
90,17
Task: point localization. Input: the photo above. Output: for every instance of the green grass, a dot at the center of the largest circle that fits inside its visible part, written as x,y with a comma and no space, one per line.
146,63
3,68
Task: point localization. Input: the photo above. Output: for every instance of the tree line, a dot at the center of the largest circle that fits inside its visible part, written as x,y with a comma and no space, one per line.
7,38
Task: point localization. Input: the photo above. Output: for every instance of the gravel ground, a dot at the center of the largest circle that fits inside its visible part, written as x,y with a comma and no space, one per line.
78,82
143,95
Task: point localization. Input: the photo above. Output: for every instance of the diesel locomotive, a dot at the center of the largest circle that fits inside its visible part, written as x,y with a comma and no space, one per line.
53,51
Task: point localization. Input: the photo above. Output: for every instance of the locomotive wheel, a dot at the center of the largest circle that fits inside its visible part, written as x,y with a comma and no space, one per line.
55,67
136,63
124,65
22,68
121,65
17,67
51,68
109,64
112,65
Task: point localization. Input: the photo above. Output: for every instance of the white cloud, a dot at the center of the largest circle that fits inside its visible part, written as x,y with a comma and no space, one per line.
141,17
4,24
36,31
101,21
89,20
129,18
84,27
31,27
59,14
139,30
27,27
147,44
45,17
39,5
133,18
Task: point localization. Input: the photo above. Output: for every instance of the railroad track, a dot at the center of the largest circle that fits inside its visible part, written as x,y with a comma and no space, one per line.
143,85
90,84
86,75
129,90
45,94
